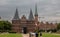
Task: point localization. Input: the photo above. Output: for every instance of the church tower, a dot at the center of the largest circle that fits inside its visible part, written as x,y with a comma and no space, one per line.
16,22
36,14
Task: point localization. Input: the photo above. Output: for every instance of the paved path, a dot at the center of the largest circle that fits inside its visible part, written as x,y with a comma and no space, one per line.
25,35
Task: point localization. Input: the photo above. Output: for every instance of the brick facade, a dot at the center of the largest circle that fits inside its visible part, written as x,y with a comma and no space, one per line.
31,24
18,25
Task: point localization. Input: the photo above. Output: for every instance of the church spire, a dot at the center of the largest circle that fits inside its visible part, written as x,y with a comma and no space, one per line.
36,14
31,15
16,16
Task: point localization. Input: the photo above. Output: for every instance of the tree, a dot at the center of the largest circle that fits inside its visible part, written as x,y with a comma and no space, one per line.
58,26
5,26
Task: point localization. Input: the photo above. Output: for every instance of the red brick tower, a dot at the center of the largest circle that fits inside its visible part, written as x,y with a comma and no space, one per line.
15,22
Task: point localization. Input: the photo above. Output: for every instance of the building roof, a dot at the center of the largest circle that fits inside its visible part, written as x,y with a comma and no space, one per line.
31,15
16,16
36,14
23,17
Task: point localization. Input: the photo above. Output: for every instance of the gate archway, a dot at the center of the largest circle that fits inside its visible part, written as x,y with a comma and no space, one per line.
24,30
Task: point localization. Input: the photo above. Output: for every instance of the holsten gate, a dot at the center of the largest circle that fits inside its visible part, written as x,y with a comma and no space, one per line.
30,24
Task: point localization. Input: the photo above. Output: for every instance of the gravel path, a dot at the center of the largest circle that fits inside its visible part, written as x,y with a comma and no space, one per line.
25,35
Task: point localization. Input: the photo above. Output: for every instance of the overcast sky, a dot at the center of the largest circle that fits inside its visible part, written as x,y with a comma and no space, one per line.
49,9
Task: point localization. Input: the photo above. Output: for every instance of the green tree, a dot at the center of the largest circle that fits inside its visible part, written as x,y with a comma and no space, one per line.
5,26
58,26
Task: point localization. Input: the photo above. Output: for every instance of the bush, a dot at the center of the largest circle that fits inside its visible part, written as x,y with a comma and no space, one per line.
4,26
53,30
58,26
41,30
12,32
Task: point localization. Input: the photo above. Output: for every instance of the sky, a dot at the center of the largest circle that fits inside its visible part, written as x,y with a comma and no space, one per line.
49,9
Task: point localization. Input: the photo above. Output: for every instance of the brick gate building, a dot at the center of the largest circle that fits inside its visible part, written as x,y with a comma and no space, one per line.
31,23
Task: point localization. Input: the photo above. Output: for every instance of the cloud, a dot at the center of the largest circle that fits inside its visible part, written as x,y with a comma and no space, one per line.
46,8
3,2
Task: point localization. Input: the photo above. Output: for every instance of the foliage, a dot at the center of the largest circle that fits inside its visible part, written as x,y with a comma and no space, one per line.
58,27
41,30
52,30
5,26
11,31
36,31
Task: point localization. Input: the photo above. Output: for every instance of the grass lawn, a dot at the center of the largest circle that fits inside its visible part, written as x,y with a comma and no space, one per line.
50,35
20,35
10,35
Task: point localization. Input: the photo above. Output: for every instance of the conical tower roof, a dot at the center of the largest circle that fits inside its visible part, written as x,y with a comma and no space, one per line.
31,15
16,16
36,14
